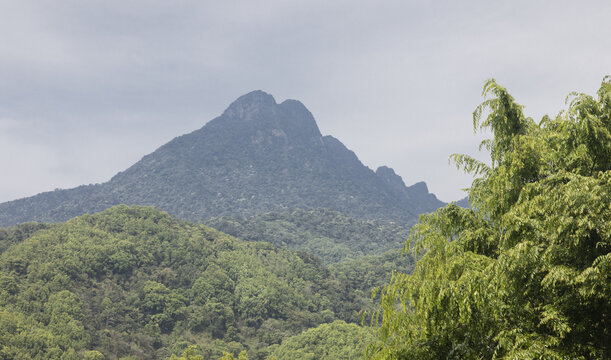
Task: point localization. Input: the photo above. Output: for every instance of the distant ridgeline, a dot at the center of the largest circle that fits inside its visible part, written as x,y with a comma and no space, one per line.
257,157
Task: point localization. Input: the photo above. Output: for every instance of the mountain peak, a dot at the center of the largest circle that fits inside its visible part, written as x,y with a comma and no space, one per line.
247,106
257,112
388,173
259,156
419,187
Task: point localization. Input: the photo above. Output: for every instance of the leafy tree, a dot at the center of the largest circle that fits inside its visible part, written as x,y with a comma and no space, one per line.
93,355
335,341
189,354
229,356
526,274
213,285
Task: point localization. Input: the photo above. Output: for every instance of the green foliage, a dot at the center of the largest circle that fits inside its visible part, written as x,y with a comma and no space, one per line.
527,273
369,273
328,234
340,240
132,281
93,355
189,354
229,356
17,234
335,341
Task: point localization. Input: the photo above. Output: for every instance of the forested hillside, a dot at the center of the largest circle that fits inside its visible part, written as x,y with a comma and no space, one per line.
132,281
16,234
328,234
257,157
526,274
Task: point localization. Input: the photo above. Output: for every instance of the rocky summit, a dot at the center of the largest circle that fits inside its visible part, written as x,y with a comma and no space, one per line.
258,156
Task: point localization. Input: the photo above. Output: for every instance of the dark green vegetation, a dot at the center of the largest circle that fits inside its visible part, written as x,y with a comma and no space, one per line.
371,271
327,234
257,157
17,234
132,281
527,274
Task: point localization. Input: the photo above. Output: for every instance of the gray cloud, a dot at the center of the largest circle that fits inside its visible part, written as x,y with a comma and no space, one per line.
87,88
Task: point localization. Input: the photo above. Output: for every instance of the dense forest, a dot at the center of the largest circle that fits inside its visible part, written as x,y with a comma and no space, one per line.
330,235
132,281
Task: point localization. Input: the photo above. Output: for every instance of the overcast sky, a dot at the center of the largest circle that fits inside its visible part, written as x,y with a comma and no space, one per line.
89,87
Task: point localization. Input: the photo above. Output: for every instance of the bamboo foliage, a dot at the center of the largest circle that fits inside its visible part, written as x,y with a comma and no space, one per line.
526,274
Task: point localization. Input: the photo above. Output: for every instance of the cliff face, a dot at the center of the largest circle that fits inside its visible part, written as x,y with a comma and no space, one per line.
258,156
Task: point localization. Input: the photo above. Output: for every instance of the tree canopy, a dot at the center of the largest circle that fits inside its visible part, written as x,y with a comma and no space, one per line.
333,341
525,273
327,234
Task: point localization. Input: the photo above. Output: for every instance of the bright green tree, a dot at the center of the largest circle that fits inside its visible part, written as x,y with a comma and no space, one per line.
526,274
93,355
334,341
189,354
229,356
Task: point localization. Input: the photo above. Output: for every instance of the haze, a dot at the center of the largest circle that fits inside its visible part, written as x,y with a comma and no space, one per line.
88,88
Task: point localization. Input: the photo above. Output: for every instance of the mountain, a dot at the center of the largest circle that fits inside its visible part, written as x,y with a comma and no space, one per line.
464,202
257,157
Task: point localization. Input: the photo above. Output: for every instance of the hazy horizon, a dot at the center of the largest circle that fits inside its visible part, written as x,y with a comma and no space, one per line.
89,88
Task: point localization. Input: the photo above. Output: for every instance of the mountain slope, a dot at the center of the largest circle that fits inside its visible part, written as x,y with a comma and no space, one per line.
328,234
258,156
